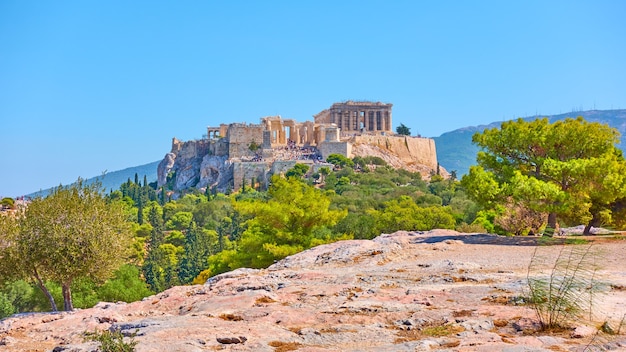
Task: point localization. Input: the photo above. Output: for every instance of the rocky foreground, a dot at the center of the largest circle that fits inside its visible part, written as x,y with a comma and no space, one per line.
407,291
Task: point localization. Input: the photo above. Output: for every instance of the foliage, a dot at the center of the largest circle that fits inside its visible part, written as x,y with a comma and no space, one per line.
6,307
517,219
199,245
126,286
570,169
297,171
7,203
254,146
403,130
72,234
112,341
19,293
563,290
404,214
179,221
339,160
296,217
357,226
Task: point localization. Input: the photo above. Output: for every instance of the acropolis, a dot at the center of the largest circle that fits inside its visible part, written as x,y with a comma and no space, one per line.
231,154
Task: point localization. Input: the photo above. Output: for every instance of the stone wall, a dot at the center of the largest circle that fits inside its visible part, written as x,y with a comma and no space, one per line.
328,148
190,149
250,171
219,147
240,136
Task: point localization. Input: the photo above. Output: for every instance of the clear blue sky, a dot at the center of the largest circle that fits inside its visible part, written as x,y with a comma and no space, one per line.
89,86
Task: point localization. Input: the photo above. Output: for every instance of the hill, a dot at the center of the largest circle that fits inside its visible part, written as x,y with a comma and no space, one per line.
113,180
455,150
407,291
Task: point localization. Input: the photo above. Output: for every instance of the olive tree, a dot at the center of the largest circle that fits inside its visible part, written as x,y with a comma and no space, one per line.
73,233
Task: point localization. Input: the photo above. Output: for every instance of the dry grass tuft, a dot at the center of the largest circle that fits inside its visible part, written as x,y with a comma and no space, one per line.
280,346
500,323
264,299
230,317
462,313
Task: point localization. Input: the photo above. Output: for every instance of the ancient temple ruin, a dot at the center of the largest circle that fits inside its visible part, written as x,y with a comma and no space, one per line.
235,153
358,116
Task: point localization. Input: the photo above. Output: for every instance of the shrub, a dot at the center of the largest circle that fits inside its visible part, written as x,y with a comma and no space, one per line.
6,307
563,290
112,341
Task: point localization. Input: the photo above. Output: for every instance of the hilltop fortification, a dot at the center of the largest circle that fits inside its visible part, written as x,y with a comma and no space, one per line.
232,154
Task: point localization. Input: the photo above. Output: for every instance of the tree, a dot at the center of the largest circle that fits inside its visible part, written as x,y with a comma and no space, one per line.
7,202
571,169
199,244
404,214
74,233
403,130
340,160
297,171
295,218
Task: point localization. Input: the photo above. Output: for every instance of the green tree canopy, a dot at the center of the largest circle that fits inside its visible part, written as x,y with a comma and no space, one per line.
571,169
403,130
340,160
73,233
7,203
296,217
297,171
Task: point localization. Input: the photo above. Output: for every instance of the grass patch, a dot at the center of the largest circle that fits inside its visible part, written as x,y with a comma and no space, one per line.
112,341
442,330
554,241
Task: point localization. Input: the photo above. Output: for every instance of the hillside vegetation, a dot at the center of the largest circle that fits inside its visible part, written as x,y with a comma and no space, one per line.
202,233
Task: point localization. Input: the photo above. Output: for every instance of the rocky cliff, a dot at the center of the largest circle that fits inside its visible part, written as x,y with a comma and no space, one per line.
406,291
206,163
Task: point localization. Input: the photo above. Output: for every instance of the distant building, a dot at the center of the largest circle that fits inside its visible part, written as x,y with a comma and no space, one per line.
358,116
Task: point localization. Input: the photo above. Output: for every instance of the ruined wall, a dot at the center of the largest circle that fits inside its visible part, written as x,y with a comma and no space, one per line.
250,171
408,149
323,117
240,136
190,149
219,147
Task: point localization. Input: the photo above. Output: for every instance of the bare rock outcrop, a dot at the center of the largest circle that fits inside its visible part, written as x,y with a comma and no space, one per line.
407,291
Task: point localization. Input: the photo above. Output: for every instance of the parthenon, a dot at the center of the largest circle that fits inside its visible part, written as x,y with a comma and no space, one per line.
357,116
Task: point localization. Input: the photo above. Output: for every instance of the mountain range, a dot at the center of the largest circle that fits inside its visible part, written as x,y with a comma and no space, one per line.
455,151
112,180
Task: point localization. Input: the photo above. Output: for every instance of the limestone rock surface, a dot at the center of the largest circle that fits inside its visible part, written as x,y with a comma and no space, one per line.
407,291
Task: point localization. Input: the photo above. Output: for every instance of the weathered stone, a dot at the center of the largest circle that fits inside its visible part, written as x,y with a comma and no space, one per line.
231,340
583,331
355,295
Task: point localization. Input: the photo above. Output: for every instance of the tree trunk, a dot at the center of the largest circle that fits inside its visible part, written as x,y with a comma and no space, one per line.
593,222
45,291
552,220
67,297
